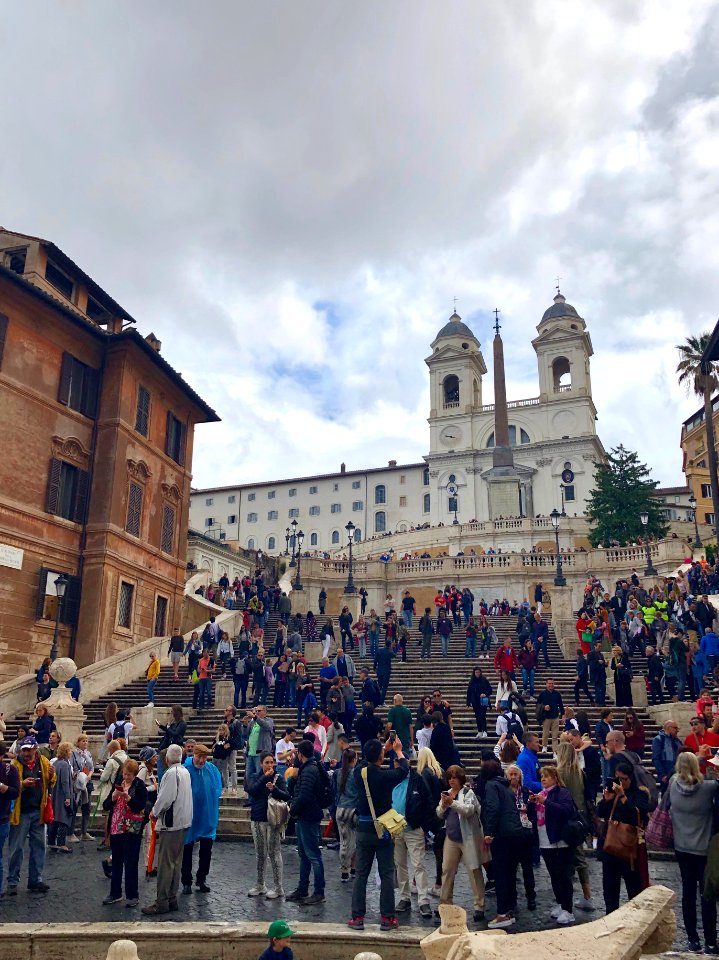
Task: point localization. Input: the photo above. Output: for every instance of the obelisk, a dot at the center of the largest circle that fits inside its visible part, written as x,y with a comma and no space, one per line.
503,479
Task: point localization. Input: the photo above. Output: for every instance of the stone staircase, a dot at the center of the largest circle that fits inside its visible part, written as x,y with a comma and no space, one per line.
413,679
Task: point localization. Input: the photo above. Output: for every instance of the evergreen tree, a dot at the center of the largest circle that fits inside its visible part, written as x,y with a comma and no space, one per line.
623,492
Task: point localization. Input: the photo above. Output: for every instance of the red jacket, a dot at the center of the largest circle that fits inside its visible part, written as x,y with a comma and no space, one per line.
506,659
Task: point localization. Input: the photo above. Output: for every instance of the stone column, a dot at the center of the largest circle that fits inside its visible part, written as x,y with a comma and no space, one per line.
224,692
67,713
563,620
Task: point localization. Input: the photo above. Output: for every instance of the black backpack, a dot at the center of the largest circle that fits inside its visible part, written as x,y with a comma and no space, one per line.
326,791
514,727
118,730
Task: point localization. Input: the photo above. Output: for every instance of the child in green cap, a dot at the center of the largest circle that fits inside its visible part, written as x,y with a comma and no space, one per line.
279,934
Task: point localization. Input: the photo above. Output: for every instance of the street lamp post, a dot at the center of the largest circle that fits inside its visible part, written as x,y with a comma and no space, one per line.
293,541
693,504
60,586
649,570
350,528
559,580
299,537
287,541
561,488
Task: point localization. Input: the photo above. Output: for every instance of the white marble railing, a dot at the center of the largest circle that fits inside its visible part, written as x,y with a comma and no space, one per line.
630,554
342,566
549,559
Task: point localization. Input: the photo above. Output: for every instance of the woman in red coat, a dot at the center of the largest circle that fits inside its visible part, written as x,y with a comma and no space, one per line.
634,735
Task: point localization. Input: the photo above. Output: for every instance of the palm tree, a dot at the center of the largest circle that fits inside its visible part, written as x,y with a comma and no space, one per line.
702,379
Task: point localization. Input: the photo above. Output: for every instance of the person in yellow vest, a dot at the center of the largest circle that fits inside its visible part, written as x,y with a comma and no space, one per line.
27,820
151,675
661,607
650,612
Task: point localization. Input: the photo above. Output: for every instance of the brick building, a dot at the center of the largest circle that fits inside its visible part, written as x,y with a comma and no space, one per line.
95,467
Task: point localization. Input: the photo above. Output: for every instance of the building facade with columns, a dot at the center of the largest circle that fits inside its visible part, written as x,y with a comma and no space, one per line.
552,437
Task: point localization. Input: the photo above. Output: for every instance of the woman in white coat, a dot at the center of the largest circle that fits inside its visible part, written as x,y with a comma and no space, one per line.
459,809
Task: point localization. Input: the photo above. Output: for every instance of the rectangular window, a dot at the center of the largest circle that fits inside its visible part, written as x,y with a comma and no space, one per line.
293,513
251,496
403,501
47,602
232,518
3,335
59,279
358,505
292,492
209,501
134,509
356,484
160,616
335,487
67,491
425,503
210,522
453,505
79,384
252,518
335,508
142,415
231,498
706,491
167,536
314,511
313,489
402,478
272,514
96,312
271,494
569,492
124,606
709,519
175,439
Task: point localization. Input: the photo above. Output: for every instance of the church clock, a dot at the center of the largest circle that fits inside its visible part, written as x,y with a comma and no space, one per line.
451,436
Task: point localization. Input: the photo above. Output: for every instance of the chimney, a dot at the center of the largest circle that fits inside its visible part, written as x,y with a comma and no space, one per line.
154,342
393,463
342,468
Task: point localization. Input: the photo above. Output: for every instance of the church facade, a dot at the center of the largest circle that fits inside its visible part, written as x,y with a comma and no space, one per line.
552,438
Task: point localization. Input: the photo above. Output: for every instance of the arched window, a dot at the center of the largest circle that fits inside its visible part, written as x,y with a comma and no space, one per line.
271,543
425,503
358,534
451,390
313,539
523,436
380,493
335,536
251,543
380,521
561,375
425,477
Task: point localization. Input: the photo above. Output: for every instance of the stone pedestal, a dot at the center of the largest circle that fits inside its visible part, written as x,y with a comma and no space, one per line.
353,601
503,489
67,713
639,693
144,720
95,744
563,620
300,598
224,693
313,652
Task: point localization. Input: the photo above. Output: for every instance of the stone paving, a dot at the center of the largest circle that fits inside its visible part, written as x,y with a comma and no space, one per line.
77,887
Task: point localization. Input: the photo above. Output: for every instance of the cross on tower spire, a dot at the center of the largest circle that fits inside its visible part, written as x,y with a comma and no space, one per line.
454,302
496,320
558,290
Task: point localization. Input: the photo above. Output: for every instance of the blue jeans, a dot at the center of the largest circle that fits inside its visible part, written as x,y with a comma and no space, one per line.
541,647
383,686
467,611
484,642
252,767
30,828
445,644
373,642
4,831
292,694
151,684
528,680
470,647
308,848
407,617
205,693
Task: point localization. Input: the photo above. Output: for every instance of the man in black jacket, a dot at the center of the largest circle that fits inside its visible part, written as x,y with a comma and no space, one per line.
589,760
598,673
549,709
503,832
655,674
419,816
305,785
379,783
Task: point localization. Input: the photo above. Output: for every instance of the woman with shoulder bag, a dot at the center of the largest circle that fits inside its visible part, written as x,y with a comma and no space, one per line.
429,769
346,794
575,780
126,805
267,838
555,807
692,801
626,805
83,767
528,816
459,809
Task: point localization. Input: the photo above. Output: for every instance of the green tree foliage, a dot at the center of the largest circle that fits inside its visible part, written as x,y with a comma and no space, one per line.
623,491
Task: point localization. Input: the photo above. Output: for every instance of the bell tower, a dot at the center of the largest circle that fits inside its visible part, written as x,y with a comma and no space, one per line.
563,347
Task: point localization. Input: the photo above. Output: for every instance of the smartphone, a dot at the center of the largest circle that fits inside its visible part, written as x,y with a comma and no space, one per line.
392,736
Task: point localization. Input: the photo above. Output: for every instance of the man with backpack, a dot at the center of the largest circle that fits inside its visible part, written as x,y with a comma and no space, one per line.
311,791
120,728
370,691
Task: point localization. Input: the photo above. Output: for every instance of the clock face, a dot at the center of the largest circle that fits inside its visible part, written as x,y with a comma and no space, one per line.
567,476
452,489
451,436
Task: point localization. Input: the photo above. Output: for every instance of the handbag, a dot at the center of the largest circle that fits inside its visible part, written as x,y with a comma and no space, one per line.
278,813
660,830
389,825
622,839
48,812
483,701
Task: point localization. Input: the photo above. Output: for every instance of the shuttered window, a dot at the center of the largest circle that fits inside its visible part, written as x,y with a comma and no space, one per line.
160,616
79,386
134,509
47,605
142,415
125,604
175,439
167,538
3,335
68,491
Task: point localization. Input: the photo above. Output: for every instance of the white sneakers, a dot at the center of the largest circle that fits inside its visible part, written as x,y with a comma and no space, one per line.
274,894
555,913
584,904
436,890
564,917
257,892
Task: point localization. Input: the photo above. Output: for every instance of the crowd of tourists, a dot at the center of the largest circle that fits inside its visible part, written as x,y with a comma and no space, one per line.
389,778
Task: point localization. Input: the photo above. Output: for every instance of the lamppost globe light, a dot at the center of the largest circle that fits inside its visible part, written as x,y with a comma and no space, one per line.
692,501
61,583
649,570
61,586
294,525
644,517
350,585
554,517
299,537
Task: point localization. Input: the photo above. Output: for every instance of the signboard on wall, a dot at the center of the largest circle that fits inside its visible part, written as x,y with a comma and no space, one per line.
10,556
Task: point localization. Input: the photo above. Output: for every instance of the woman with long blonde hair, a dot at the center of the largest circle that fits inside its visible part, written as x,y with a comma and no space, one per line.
576,782
431,772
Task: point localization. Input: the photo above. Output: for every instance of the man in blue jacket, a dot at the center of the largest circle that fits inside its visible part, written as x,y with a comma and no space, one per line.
665,747
206,783
540,637
528,763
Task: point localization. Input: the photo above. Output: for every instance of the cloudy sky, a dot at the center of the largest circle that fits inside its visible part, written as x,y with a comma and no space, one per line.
289,194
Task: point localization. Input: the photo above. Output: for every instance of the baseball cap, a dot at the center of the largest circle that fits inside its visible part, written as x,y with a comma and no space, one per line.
279,929
28,742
